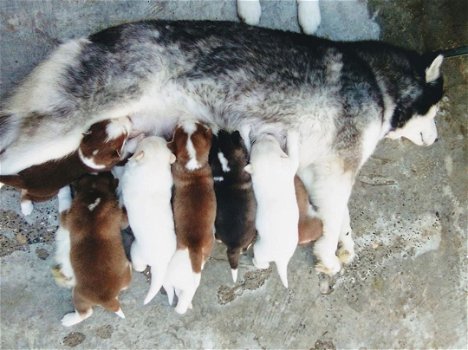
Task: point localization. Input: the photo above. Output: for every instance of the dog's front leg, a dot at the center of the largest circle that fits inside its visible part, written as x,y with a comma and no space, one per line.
346,252
329,187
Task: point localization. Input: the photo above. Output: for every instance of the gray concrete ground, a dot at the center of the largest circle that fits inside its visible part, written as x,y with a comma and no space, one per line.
407,288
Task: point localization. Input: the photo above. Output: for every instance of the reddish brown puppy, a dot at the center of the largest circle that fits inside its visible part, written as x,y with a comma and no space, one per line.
194,207
97,254
100,149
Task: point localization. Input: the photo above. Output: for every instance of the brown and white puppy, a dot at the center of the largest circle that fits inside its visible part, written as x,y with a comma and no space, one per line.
194,207
235,199
310,225
97,254
100,149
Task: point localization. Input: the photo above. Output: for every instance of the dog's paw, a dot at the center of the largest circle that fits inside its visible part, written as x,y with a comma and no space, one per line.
71,319
26,207
181,309
331,266
61,279
346,256
249,11
138,267
260,265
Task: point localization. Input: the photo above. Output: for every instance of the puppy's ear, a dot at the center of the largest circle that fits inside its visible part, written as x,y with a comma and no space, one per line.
172,146
248,168
172,158
138,156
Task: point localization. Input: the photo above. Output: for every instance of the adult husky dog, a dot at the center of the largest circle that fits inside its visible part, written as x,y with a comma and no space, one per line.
343,97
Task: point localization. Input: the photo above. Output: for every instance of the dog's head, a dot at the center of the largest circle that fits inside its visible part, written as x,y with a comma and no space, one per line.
267,158
191,144
153,148
228,153
417,106
100,183
102,145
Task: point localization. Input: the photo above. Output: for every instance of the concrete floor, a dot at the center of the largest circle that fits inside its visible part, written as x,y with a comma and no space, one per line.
406,289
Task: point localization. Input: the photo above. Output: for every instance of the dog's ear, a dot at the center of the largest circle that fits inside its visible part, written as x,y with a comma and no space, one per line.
249,168
433,71
138,156
172,158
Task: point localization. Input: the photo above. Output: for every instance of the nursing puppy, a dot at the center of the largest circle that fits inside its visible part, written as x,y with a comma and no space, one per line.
194,207
100,149
97,255
235,200
277,218
146,186
310,225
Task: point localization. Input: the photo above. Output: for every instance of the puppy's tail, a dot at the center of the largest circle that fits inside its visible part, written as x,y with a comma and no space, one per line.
282,267
196,259
233,258
157,279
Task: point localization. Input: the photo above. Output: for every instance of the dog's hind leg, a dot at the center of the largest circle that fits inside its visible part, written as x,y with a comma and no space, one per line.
185,300
233,258
26,203
346,252
170,293
137,262
83,310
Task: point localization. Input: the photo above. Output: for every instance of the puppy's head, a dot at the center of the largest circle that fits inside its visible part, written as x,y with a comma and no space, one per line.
228,153
268,158
155,149
102,145
191,145
100,183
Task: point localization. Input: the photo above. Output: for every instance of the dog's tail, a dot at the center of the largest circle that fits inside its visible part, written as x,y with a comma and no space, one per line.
233,255
12,180
282,267
157,280
196,259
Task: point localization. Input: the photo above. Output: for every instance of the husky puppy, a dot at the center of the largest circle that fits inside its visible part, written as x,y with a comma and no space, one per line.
100,149
97,255
194,208
147,189
235,200
308,13
342,97
310,225
277,218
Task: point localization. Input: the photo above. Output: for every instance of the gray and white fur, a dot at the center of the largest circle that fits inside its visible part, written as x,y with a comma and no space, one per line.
343,97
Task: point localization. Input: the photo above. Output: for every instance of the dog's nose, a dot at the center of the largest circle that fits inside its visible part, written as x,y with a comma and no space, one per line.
437,139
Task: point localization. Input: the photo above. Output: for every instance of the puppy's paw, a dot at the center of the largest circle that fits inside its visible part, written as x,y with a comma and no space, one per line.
61,279
71,319
260,265
180,309
26,207
331,266
346,256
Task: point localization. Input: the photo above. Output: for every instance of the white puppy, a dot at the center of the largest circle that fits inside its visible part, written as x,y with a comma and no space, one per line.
277,217
146,190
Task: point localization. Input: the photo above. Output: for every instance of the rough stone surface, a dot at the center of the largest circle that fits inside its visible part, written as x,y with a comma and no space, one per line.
406,289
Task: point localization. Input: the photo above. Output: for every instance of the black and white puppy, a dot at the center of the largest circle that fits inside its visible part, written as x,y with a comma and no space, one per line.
236,206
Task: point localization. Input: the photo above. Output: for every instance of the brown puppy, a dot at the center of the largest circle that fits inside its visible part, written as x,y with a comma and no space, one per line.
100,149
97,255
194,207
310,226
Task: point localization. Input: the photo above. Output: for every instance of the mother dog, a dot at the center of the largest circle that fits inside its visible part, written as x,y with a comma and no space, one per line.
342,97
